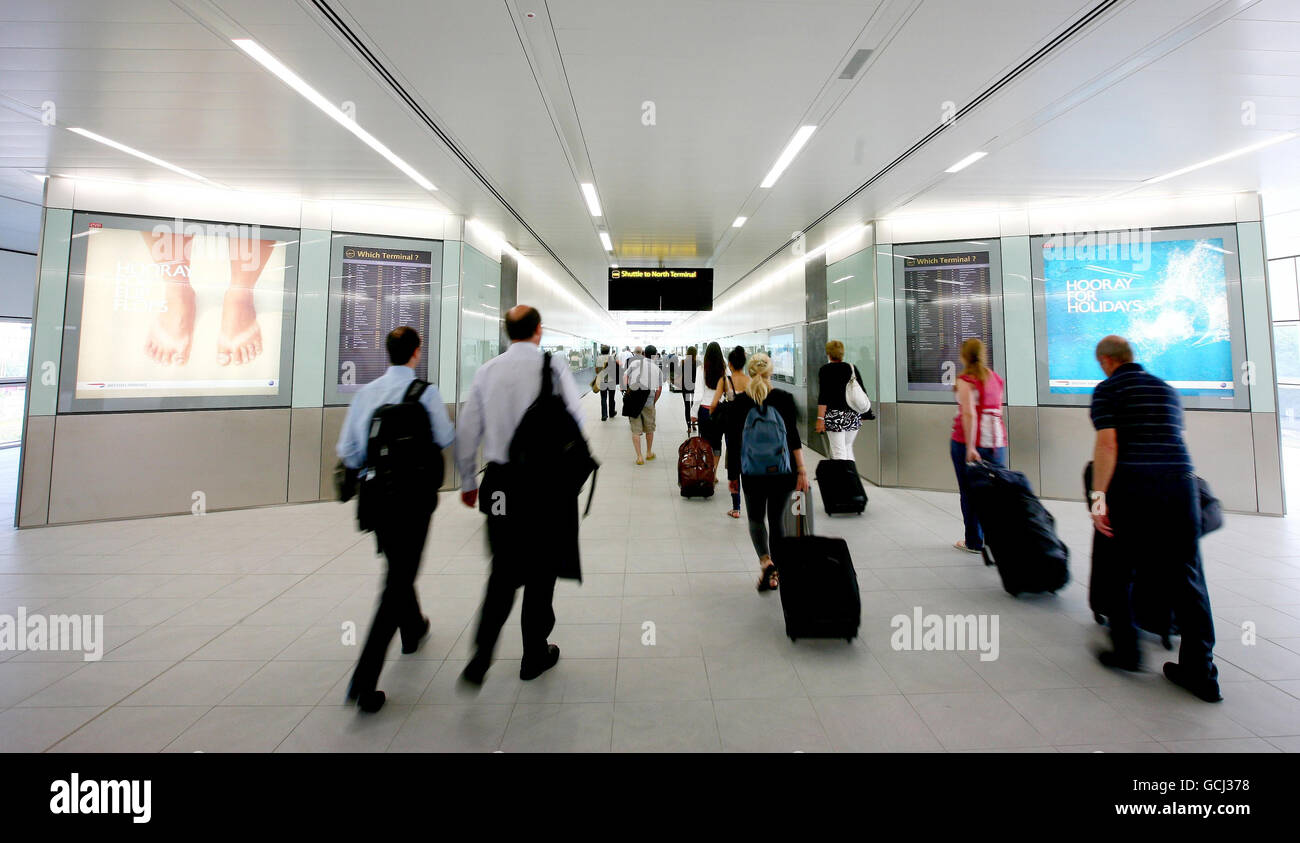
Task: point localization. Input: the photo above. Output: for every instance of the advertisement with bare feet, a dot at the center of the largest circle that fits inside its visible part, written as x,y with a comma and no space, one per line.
176,309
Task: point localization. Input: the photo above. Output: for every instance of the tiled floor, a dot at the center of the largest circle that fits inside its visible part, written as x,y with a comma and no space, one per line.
226,632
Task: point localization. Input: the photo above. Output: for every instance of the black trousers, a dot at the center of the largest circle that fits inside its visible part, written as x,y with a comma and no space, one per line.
517,563
687,398
1156,519
402,543
607,398
766,496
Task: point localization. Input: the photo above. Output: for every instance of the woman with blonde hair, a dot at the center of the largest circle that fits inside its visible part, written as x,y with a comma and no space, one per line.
765,423
978,431
835,417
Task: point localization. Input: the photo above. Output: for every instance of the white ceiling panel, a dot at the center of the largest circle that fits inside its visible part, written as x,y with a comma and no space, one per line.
537,105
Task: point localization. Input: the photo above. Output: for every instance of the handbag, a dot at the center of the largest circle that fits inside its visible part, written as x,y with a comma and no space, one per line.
1211,508
345,482
855,396
634,402
719,415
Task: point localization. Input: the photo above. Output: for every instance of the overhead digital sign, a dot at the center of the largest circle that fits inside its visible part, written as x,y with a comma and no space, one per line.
661,288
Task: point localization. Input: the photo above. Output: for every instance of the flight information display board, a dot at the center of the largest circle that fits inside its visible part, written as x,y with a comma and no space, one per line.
376,285
1174,294
948,294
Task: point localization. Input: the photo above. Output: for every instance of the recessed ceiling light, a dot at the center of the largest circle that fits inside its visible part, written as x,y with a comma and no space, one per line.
605,241
965,162
739,222
593,201
258,53
787,155
1245,150
121,147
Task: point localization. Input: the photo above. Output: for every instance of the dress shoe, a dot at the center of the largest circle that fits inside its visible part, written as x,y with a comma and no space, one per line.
532,670
1110,658
1205,689
424,633
475,671
367,701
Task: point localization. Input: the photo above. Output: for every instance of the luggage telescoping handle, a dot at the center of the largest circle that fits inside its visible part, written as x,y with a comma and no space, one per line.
802,525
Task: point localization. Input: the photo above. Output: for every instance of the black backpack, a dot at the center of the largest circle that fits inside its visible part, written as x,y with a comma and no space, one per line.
404,465
548,452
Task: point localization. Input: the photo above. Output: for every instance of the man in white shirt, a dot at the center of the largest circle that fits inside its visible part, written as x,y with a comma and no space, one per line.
607,369
643,381
503,390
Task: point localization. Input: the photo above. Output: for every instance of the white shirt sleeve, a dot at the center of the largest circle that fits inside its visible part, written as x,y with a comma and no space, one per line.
568,389
469,432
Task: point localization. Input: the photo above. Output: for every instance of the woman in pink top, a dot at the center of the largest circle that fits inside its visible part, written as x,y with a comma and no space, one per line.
978,431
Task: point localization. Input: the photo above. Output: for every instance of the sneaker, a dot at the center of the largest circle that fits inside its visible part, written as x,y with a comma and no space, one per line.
1207,689
532,671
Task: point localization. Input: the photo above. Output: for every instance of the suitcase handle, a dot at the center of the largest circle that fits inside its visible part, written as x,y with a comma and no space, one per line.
802,525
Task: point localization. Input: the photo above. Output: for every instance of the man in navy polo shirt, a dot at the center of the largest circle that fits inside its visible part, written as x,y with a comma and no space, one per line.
1144,494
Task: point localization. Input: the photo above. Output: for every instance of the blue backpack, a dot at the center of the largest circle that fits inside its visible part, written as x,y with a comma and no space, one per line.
763,447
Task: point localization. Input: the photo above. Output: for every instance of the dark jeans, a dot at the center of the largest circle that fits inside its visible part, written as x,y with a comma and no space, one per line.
1156,519
399,608
997,456
766,495
607,397
513,567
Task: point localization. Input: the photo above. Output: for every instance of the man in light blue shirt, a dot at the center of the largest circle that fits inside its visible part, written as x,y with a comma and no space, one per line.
389,388
401,532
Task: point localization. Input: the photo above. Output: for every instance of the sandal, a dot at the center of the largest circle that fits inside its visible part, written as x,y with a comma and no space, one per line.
734,513
768,580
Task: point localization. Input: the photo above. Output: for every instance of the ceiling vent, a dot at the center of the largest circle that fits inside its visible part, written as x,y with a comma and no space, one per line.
855,64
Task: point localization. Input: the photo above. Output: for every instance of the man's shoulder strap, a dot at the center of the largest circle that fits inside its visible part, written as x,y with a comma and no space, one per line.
415,390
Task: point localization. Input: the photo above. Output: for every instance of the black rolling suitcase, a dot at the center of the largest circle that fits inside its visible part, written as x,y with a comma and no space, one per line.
841,487
818,586
1150,611
1019,533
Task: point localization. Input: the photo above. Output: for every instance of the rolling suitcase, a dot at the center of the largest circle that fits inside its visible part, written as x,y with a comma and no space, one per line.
695,476
1019,533
1150,611
818,586
841,487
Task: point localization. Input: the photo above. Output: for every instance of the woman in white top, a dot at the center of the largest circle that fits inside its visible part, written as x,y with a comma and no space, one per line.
709,387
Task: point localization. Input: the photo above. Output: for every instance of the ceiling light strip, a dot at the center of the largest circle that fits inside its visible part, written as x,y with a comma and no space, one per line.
346,33
263,57
121,147
1081,23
